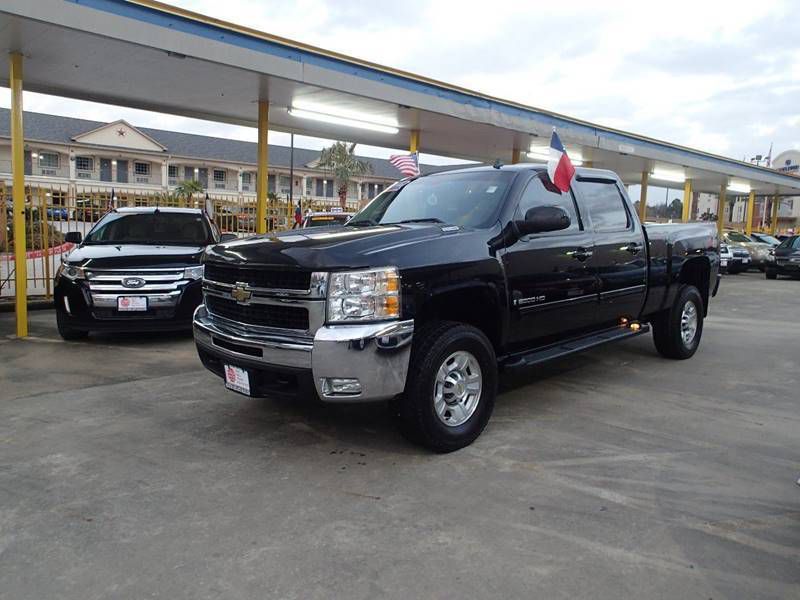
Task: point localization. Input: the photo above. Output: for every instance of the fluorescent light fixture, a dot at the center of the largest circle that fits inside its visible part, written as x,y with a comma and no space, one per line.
542,153
357,123
664,175
34,155
742,188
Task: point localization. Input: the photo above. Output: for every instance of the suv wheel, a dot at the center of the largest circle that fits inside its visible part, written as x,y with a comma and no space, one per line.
771,273
677,331
451,388
68,333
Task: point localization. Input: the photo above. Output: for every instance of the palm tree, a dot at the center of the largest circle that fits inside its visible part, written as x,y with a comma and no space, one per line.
340,159
187,188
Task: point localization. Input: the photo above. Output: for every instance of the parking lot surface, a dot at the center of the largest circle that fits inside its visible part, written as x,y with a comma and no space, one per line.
127,471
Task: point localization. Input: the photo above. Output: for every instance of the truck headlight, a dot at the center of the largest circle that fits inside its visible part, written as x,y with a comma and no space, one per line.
193,272
369,295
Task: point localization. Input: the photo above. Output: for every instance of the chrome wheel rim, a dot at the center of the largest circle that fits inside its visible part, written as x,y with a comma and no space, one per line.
688,323
457,390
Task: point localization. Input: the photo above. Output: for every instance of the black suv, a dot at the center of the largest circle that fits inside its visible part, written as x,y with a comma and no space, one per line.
137,270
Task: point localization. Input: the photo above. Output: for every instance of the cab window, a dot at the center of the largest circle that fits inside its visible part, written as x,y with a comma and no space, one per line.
542,193
605,204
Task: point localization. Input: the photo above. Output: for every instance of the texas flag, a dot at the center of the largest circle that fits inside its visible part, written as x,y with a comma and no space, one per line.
559,167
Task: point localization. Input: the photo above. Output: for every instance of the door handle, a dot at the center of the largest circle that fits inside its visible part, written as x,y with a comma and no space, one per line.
580,253
633,248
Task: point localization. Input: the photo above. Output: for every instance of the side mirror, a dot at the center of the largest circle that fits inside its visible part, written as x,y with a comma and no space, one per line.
227,237
541,219
73,237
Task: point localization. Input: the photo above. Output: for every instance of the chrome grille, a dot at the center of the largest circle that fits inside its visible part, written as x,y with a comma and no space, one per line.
162,286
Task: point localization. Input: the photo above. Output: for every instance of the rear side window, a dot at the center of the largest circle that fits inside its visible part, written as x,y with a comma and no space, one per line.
539,193
605,205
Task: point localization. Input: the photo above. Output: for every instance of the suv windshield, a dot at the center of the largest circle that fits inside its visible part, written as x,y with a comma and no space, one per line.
470,199
158,228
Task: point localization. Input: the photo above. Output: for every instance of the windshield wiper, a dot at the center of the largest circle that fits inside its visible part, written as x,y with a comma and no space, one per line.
362,222
423,220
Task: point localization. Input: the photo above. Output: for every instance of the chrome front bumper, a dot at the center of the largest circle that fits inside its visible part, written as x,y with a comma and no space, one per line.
375,354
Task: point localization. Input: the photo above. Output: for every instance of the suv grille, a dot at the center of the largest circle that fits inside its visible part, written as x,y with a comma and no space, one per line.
265,315
261,278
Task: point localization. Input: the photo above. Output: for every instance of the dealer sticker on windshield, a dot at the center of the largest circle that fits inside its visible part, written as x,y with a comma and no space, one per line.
237,379
131,303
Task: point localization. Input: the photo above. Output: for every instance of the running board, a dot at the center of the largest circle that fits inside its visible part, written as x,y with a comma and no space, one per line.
559,349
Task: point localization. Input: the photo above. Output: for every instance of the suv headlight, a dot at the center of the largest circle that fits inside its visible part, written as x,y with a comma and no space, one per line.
369,295
71,272
194,272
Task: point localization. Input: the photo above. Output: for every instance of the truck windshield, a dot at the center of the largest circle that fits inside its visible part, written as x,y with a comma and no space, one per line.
158,228
470,199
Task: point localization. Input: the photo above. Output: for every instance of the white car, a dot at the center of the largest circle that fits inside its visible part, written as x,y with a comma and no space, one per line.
733,259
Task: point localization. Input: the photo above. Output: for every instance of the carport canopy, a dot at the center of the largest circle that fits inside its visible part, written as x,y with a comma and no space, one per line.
148,55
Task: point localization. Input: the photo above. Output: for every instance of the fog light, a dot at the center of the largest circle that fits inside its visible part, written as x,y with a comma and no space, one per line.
340,386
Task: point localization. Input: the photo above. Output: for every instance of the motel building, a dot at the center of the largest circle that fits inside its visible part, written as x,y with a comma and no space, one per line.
75,164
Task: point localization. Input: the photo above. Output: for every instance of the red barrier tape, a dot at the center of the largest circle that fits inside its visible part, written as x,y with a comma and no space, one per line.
40,253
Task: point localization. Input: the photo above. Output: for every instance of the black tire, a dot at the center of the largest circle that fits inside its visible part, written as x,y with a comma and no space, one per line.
434,343
67,333
733,271
667,331
771,274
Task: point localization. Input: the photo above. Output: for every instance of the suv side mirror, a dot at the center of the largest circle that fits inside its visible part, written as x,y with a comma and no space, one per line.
227,237
541,219
73,237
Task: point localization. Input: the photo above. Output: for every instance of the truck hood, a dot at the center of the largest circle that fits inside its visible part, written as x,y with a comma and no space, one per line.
126,256
350,247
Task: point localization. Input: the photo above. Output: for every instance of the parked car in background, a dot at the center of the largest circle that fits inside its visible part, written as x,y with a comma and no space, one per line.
765,238
733,259
58,213
326,219
137,270
787,259
759,251
444,280
89,210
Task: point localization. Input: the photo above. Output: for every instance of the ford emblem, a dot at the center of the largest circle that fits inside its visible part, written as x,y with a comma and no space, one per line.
133,282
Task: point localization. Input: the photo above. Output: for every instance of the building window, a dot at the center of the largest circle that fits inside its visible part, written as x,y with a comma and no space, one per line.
172,171
219,175
141,168
48,159
84,163
247,178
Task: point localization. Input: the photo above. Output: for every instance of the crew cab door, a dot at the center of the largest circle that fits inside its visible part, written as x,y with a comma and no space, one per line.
552,285
620,256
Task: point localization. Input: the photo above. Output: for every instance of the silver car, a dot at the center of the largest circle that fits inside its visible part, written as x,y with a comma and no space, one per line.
759,251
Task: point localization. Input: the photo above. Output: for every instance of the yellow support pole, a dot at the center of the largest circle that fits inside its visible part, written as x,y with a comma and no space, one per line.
263,167
687,201
773,226
643,196
721,209
18,179
413,143
751,206
516,156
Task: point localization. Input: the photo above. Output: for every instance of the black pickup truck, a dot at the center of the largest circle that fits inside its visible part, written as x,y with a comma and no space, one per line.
441,282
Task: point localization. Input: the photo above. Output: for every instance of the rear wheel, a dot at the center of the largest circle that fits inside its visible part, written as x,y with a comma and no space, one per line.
677,331
771,273
451,386
69,333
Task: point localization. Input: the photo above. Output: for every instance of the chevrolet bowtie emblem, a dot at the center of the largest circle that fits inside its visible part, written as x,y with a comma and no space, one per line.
241,294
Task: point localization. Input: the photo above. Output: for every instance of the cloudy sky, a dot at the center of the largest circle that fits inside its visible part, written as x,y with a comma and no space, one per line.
719,76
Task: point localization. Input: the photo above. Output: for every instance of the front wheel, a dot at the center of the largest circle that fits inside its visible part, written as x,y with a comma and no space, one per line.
451,386
677,331
68,333
771,273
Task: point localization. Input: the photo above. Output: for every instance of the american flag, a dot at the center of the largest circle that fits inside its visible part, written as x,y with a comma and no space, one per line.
407,164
